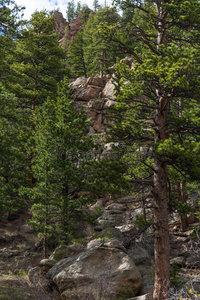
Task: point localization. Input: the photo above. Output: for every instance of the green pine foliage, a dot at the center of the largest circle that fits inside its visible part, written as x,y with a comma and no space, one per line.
39,61
99,55
60,164
75,56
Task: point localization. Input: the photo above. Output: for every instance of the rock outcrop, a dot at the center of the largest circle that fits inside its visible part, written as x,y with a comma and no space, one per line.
103,269
95,96
60,23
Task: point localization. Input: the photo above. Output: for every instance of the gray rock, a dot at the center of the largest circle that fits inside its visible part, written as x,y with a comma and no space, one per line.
78,82
34,275
109,90
109,103
26,228
143,297
95,104
86,93
139,255
104,267
45,265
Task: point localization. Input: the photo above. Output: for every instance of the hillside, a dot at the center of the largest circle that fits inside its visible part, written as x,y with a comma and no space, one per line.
99,152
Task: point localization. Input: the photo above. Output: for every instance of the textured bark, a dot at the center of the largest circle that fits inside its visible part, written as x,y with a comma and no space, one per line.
161,246
161,243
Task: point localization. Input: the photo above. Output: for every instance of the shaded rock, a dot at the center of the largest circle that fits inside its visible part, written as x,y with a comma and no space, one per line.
139,212
82,229
115,233
106,263
147,289
139,255
5,239
60,23
34,275
99,127
148,275
95,104
13,216
7,254
86,93
64,251
96,81
46,264
26,228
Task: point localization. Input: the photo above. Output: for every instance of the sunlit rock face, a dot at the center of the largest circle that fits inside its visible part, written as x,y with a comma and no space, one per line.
104,268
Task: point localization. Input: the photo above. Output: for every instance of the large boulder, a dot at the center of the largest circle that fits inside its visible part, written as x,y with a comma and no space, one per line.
97,81
103,269
86,93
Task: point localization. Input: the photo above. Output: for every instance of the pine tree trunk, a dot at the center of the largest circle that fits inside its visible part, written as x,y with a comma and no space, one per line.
161,244
45,238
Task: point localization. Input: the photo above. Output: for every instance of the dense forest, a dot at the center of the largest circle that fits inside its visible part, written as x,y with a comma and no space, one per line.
50,165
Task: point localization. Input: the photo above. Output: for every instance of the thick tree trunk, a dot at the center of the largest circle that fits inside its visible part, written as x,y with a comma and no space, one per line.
161,245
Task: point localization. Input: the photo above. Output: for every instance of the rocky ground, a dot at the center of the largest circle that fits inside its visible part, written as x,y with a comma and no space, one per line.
19,254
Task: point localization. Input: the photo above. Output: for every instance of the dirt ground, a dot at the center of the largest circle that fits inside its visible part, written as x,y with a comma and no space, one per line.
16,258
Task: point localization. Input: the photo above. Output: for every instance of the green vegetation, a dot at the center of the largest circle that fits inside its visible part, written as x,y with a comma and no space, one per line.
48,162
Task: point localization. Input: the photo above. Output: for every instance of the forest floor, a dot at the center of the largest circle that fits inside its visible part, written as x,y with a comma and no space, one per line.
16,258
18,255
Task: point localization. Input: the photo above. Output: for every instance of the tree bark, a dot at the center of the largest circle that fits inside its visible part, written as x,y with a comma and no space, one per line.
161,244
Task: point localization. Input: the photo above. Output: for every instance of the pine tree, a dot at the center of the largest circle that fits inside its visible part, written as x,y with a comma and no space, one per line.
11,151
64,165
75,56
60,163
71,11
96,5
99,55
165,72
38,61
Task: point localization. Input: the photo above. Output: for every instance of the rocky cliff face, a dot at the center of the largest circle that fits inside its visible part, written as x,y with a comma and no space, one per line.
96,95
60,24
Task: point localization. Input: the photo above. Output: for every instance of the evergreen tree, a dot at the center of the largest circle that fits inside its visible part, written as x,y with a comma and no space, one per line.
71,11
11,151
38,66
64,165
60,163
99,55
78,8
96,5
38,61
75,56
166,71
